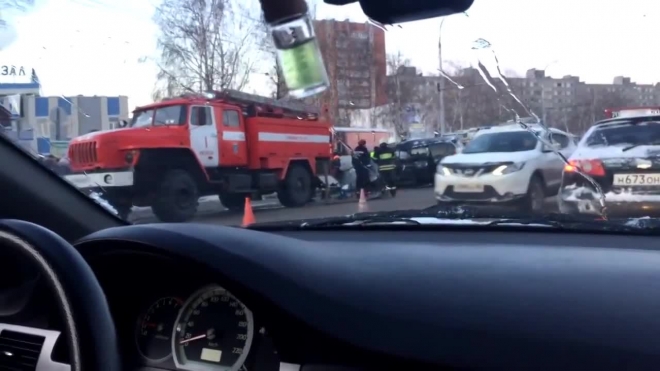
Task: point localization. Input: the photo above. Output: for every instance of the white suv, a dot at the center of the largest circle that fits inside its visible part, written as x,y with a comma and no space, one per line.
506,165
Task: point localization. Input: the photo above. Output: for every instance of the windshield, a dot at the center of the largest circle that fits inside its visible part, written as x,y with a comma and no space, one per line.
625,134
142,118
515,141
170,115
180,110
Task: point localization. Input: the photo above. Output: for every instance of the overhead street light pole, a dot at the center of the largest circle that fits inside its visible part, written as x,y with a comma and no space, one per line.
441,86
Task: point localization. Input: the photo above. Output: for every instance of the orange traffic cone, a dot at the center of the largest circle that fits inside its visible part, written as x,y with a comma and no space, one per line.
248,215
362,203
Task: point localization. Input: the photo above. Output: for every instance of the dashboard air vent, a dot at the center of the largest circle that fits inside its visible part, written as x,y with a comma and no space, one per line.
18,351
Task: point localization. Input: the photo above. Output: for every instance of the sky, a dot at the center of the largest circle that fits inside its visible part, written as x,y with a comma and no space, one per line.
93,47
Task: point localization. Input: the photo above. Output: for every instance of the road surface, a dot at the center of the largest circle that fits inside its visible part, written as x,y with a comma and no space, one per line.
212,212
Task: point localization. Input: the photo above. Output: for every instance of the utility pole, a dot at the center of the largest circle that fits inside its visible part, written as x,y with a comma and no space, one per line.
399,107
441,86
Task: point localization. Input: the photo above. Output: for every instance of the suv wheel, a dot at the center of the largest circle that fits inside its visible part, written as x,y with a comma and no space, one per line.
535,199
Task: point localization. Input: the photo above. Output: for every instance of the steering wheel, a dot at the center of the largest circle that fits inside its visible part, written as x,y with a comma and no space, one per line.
89,329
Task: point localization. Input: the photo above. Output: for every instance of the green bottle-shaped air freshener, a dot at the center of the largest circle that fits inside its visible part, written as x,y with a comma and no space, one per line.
297,49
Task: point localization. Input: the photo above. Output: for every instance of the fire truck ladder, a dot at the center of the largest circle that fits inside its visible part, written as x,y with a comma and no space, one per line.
287,107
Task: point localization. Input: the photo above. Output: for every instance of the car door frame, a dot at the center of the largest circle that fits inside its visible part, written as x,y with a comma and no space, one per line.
209,133
232,141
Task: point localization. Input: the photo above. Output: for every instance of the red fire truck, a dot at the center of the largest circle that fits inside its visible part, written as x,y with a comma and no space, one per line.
228,143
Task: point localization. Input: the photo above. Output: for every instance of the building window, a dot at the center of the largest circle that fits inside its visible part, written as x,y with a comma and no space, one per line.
360,35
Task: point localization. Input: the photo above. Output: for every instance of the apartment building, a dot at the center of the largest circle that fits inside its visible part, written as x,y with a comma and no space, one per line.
565,102
569,102
354,55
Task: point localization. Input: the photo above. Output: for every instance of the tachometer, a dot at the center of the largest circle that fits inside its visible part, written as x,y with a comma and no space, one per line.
154,329
213,332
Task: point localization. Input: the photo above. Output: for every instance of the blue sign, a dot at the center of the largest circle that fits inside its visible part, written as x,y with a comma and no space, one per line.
43,145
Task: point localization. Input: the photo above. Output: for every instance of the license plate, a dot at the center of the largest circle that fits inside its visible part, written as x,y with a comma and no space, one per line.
632,180
469,188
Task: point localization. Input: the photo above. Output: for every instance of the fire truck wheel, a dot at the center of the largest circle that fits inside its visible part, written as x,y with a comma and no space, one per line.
232,201
297,187
177,197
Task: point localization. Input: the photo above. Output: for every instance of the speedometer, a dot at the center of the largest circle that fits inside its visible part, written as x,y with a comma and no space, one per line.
213,332
154,330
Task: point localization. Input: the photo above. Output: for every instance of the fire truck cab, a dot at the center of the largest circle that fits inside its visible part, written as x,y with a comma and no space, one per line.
231,144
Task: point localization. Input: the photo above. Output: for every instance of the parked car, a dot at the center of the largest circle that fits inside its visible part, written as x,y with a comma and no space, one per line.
622,157
505,165
418,158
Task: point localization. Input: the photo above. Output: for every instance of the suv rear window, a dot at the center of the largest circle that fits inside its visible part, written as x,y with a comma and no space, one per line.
419,151
627,133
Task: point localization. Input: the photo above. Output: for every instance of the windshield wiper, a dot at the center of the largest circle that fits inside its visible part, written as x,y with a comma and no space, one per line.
402,217
355,220
653,143
576,222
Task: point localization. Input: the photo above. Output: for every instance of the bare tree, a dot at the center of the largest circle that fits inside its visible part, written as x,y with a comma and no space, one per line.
588,107
8,31
472,102
20,5
610,99
401,90
204,45
169,87
273,69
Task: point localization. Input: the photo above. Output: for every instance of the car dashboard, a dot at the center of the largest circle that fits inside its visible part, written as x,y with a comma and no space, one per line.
176,316
196,297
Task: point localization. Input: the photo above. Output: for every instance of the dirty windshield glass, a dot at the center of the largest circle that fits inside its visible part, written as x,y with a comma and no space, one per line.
178,110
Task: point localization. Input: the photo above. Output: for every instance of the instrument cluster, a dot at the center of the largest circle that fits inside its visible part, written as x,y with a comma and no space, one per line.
211,330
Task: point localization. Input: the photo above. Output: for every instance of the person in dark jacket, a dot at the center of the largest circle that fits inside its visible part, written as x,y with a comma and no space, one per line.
361,160
385,158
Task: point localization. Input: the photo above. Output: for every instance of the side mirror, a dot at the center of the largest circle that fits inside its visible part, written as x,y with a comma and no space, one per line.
123,123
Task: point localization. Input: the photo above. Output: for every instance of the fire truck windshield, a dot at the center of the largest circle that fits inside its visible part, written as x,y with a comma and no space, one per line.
169,115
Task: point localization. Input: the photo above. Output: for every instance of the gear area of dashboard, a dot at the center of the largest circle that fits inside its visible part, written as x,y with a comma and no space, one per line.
173,317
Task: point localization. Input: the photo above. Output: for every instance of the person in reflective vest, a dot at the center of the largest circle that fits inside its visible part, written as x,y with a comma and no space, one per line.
384,157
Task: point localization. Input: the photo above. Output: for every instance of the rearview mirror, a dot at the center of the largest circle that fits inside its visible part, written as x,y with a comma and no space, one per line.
397,11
